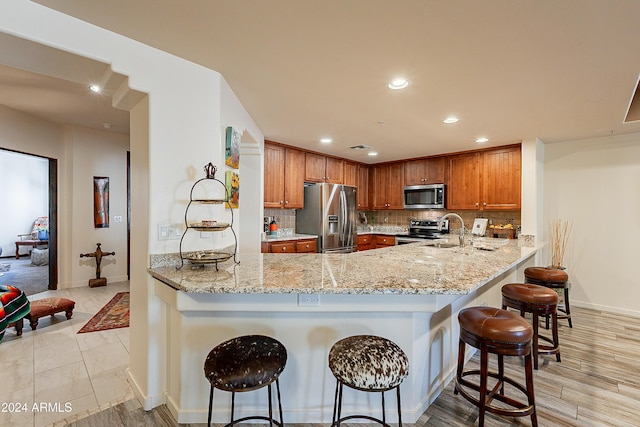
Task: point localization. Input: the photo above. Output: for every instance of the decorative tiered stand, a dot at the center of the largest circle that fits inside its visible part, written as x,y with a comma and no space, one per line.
206,257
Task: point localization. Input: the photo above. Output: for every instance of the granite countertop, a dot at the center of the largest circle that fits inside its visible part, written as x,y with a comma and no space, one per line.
415,268
297,236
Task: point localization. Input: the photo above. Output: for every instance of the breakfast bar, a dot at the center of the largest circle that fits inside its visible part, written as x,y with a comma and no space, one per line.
410,294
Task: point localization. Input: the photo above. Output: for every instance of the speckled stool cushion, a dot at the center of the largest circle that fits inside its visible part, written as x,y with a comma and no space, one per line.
49,306
245,363
368,362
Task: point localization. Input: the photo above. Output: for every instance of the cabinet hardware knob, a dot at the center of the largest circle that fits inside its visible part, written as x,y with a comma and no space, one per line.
286,202
477,204
485,203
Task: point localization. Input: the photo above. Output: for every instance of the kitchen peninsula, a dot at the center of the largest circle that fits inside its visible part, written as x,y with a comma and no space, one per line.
410,294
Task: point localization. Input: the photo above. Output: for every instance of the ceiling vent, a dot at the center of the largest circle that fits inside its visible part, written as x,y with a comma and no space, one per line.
361,147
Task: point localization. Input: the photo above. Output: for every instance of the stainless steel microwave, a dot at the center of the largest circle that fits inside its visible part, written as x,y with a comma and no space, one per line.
430,196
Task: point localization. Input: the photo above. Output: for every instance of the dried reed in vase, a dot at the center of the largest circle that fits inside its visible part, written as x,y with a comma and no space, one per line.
560,231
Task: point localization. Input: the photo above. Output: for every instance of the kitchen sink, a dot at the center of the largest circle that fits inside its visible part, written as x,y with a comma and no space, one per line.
442,244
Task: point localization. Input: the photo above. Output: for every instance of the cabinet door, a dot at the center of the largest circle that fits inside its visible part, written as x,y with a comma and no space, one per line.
436,170
273,176
380,183
424,171
334,170
315,167
395,190
501,179
463,190
415,172
363,187
350,174
294,172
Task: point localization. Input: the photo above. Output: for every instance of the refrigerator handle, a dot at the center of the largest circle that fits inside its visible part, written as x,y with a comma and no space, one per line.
343,216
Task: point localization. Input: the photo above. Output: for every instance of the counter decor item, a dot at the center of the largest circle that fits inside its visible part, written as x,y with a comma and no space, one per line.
200,195
560,232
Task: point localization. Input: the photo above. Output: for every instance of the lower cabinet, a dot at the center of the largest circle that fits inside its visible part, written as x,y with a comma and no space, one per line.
374,241
383,240
289,246
365,242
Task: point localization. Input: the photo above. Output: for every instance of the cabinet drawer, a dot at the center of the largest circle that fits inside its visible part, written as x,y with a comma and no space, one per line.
364,239
306,246
385,241
282,248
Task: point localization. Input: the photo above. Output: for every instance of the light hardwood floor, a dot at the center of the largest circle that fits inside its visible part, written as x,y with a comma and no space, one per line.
596,384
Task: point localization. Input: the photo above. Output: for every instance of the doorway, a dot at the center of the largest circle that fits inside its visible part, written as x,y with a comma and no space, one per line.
28,228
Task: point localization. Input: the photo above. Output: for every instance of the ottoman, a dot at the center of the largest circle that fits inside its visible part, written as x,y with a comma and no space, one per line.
49,307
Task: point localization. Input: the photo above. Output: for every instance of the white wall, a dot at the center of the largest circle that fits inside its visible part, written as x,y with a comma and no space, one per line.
96,153
24,196
595,184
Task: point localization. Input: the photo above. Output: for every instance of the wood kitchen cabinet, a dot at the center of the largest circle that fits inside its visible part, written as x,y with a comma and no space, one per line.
424,171
388,186
383,240
289,246
319,168
350,175
363,187
365,242
485,180
284,170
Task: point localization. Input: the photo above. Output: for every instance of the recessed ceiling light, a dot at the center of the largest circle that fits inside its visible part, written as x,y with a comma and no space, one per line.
326,140
372,153
450,119
107,125
95,88
482,139
399,83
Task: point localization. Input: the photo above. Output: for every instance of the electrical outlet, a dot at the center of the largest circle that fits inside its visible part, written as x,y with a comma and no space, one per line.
308,300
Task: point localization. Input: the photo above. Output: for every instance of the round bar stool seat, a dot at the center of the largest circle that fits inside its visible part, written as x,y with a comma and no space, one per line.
539,301
554,278
500,332
367,363
243,364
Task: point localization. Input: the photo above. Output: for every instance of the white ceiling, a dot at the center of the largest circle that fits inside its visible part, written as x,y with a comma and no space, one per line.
511,70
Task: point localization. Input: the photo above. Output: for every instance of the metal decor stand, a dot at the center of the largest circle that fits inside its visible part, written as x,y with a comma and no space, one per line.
202,258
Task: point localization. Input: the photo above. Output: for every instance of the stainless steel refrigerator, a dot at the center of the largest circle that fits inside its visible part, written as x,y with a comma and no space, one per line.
329,212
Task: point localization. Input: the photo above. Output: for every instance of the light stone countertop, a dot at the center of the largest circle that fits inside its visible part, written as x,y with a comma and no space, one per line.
407,269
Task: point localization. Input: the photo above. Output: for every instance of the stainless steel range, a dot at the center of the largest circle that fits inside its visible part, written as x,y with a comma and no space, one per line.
421,229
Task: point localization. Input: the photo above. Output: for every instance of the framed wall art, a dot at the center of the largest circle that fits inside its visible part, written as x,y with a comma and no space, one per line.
101,202
232,182
232,148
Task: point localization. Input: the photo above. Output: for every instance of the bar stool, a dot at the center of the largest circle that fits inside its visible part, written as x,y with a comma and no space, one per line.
500,332
539,301
553,278
367,363
243,364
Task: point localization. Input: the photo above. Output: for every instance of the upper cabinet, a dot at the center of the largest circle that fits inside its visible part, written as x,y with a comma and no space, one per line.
388,186
424,171
486,180
323,169
502,179
350,175
283,186
363,187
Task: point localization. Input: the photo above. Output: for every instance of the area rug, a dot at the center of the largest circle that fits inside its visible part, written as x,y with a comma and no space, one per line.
115,314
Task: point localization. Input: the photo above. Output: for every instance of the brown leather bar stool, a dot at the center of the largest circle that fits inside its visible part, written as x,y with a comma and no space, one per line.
367,363
553,278
500,332
246,363
539,301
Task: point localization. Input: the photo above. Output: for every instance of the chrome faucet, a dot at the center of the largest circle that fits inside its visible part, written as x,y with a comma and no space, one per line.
461,225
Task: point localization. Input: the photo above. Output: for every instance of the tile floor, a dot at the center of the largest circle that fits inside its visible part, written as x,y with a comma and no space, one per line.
74,375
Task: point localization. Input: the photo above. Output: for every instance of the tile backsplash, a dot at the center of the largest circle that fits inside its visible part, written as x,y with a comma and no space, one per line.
286,218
